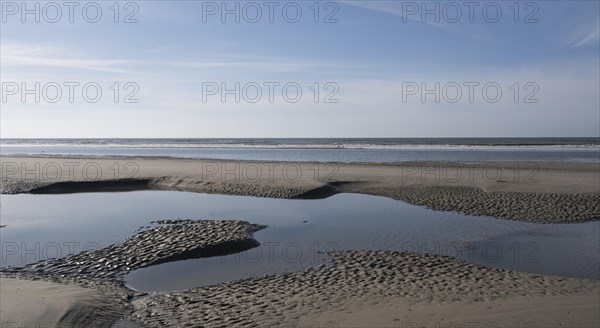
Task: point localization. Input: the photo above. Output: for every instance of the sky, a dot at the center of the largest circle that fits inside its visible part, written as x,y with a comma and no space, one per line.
221,69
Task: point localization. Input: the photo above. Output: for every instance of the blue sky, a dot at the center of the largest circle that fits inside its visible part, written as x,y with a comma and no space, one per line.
370,52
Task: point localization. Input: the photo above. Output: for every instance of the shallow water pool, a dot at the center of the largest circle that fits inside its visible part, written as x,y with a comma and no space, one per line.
45,226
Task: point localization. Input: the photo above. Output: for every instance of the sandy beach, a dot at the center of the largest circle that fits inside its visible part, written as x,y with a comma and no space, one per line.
519,311
358,289
27,303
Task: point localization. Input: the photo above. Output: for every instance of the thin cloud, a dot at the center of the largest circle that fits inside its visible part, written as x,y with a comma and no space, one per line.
393,8
248,65
35,56
588,36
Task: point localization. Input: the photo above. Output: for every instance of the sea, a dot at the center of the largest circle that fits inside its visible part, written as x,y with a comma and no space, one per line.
348,150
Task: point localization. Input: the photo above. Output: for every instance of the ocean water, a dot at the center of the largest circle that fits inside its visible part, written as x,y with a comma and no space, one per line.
362,150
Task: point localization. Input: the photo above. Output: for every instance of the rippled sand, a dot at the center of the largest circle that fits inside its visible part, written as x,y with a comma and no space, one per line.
382,286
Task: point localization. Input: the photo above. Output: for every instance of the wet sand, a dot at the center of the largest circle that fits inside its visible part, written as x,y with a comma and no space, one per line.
535,192
98,275
376,286
172,240
366,281
355,282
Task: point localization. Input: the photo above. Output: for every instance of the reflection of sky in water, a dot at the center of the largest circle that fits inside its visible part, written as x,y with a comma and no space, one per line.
44,225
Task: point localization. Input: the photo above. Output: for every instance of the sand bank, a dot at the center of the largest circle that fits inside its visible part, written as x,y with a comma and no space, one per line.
367,282
536,192
518,311
171,240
